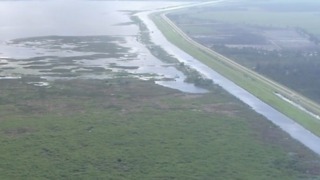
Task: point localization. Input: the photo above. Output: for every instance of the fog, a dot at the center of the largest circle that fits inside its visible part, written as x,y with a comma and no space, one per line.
39,18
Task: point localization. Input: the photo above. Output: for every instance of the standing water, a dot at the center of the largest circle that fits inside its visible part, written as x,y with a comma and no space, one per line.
80,39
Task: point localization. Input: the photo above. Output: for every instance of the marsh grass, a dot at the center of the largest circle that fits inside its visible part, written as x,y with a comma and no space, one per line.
130,129
192,75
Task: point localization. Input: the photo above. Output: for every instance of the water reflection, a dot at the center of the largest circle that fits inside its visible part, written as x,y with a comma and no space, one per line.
80,39
71,18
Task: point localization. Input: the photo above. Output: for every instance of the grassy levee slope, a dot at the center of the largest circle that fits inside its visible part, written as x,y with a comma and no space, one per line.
256,84
132,129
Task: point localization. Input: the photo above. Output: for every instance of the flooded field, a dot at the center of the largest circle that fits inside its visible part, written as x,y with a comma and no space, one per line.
103,43
279,42
212,33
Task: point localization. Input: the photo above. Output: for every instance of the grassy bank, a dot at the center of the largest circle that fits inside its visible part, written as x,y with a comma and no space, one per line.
246,80
131,129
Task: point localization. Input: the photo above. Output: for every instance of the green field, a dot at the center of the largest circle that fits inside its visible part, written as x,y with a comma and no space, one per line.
131,129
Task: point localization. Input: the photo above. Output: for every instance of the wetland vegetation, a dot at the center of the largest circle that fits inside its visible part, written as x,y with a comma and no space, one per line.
133,129
192,75
88,107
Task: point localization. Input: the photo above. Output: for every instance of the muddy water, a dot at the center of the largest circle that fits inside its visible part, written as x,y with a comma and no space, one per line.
80,39
288,125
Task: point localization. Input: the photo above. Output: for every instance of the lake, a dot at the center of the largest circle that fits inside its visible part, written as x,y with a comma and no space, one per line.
80,39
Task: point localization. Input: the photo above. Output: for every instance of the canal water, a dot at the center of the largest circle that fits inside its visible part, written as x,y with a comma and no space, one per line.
288,125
